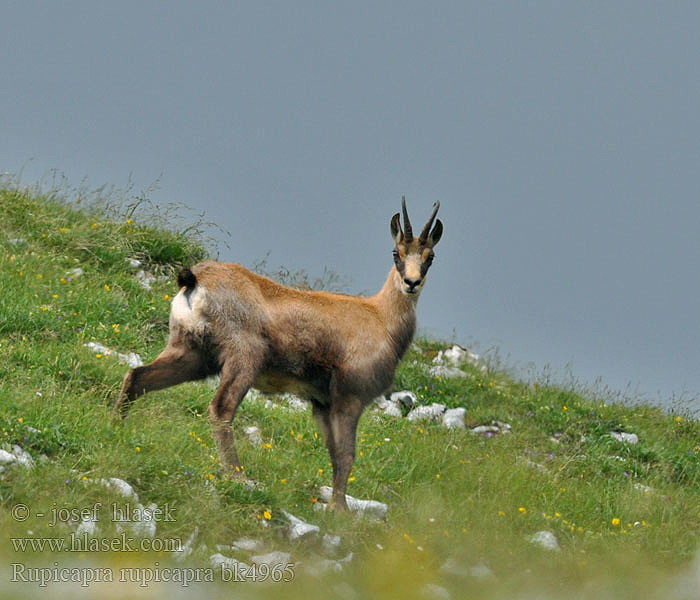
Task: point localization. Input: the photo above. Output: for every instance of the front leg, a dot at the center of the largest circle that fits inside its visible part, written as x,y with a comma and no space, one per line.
344,415
235,383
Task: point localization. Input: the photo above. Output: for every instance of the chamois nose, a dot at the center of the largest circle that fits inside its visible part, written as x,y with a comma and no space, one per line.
412,283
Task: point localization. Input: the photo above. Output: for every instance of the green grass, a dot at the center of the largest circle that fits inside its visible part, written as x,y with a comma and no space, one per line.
451,494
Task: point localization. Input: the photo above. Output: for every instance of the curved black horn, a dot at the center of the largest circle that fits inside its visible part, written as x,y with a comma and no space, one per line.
426,230
408,234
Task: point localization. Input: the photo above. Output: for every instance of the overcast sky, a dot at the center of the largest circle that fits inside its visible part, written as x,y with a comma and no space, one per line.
561,139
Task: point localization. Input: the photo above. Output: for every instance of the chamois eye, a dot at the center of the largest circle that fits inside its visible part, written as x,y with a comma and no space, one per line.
397,258
430,258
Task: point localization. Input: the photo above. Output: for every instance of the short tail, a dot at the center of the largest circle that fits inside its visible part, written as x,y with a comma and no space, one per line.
186,278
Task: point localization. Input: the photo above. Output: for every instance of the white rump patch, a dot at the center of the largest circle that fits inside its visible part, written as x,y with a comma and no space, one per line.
186,309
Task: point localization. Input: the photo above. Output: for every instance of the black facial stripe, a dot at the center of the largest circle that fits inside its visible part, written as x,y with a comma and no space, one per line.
400,266
425,265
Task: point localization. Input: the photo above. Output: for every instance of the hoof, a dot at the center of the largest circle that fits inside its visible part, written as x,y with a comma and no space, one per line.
240,477
338,505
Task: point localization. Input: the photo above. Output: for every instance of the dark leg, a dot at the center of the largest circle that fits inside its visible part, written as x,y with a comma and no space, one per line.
173,366
344,416
321,413
235,382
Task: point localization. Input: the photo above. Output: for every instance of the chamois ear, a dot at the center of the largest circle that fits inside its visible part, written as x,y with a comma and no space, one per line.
436,233
395,227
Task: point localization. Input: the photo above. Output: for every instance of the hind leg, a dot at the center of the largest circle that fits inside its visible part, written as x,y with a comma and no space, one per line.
321,413
173,365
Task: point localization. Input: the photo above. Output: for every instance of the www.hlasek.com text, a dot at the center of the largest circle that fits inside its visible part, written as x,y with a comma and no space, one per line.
84,542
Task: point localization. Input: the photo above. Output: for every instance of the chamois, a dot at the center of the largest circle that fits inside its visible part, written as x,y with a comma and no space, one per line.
337,351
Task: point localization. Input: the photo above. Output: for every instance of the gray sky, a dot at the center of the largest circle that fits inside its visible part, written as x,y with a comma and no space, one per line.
560,138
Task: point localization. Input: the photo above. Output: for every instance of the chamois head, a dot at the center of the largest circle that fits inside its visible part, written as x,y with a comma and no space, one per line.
414,255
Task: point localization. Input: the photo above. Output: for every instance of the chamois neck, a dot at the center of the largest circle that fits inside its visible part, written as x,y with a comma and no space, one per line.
399,312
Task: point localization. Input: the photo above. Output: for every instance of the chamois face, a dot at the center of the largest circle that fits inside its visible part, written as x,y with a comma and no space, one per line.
413,256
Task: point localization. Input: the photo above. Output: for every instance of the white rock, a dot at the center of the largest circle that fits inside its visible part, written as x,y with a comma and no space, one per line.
434,412
331,543
118,485
218,560
132,359
483,429
272,558
23,457
481,571
134,262
253,434
393,411
453,567
298,529
546,539
643,488
145,279
446,372
344,590
98,348
87,525
15,241
457,356
454,418
7,458
248,545
143,523
405,398
388,407
252,395
187,548
294,403
33,429
434,592
372,508
323,566
75,273
621,436
537,466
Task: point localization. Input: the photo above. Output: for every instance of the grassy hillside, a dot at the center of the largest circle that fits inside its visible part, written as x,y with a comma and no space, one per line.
462,507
